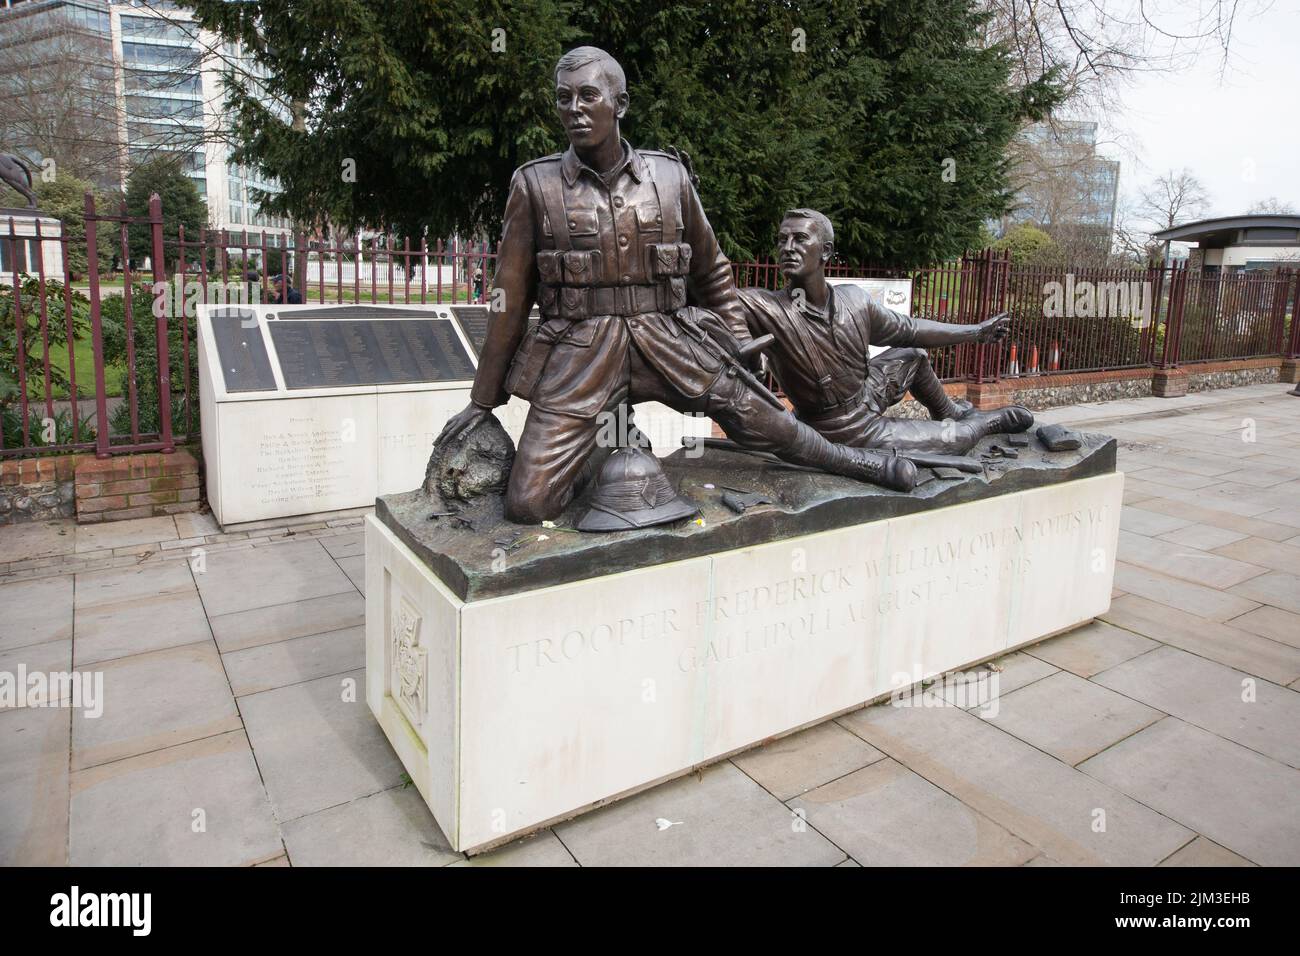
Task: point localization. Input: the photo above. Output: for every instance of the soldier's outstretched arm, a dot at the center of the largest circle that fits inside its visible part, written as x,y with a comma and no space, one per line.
929,334
710,284
514,289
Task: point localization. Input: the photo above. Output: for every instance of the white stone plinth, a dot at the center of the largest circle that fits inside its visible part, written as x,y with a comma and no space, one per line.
513,712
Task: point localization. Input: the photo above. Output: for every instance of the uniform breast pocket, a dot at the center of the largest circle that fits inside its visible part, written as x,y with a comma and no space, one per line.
648,218
583,222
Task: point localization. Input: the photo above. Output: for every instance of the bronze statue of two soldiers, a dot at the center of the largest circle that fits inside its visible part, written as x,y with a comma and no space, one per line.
638,304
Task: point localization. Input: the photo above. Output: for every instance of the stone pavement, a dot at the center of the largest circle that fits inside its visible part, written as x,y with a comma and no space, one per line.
1167,732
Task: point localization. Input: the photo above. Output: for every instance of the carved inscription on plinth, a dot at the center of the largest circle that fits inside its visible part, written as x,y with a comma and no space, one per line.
303,461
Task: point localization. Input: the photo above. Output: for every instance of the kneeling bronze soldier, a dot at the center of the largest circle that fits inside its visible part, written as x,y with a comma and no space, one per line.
822,360
612,243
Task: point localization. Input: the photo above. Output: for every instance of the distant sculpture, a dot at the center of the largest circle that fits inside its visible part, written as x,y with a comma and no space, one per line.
612,243
821,356
14,172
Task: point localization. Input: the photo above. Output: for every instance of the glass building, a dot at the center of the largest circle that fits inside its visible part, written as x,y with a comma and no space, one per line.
1063,182
161,83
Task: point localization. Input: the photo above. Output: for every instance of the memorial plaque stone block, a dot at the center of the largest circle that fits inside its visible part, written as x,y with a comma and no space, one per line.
333,353
473,320
245,366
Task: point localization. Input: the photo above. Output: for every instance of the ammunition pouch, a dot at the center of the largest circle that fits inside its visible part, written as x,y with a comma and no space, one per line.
573,302
668,259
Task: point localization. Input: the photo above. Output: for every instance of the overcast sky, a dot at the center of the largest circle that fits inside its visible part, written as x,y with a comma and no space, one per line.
1239,134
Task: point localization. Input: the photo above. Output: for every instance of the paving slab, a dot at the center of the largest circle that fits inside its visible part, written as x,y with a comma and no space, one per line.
34,786
37,539
267,666
1260,477
36,611
47,658
355,568
155,700
125,534
1239,799
317,749
1092,648
196,804
1149,523
1271,622
1069,717
719,818
345,545
1276,588
282,622
135,626
1210,603
1276,555
1228,645
122,585
1203,852
1190,564
193,524
1007,674
1236,706
1174,478
1039,799
262,577
1203,536
390,828
886,815
806,760
539,849
1219,519
1215,499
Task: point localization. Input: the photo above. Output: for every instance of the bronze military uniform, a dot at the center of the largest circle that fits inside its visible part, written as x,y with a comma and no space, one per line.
610,260
824,365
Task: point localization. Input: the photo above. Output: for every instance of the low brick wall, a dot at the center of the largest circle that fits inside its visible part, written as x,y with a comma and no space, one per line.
1208,375
137,486
37,489
1049,391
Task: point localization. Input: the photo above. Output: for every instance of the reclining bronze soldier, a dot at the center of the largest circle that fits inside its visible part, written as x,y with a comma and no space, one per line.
612,243
822,361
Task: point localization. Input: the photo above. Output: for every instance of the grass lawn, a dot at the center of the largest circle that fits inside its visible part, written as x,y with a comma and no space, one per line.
84,355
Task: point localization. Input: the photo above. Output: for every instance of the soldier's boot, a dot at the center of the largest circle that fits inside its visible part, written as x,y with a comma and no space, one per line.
880,468
929,391
1008,418
886,470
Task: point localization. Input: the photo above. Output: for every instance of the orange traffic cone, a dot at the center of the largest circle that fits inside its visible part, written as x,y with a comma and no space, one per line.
1013,365
1033,361
1054,363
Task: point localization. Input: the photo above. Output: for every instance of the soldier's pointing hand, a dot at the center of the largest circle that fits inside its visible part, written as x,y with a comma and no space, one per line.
995,329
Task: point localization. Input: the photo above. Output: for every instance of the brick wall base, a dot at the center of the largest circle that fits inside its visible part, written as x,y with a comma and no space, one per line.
1169,382
1290,372
1048,391
137,486
37,489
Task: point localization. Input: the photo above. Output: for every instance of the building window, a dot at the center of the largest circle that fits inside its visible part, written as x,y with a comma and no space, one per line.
147,81
162,107
151,54
154,28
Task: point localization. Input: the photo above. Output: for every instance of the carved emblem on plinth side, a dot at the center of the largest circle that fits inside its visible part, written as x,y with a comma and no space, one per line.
409,675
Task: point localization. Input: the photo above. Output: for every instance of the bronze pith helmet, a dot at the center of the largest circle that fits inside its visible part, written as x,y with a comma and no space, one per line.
632,491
